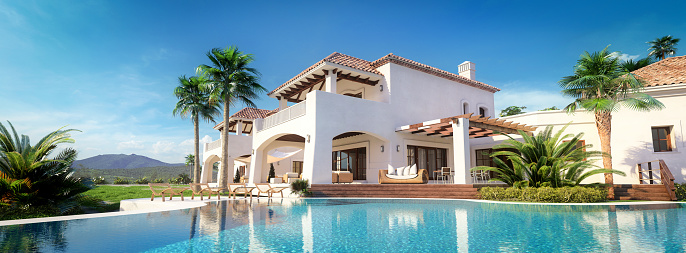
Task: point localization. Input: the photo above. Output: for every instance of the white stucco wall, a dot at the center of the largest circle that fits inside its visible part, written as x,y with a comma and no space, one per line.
631,132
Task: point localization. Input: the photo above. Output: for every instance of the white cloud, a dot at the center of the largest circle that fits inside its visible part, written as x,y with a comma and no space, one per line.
624,57
132,144
206,139
163,147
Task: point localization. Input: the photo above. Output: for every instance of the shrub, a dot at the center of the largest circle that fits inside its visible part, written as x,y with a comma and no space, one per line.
30,180
300,187
680,191
158,181
143,180
544,160
577,194
99,180
181,179
119,180
237,176
272,173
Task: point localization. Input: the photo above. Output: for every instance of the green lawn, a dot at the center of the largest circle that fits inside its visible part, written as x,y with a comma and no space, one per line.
113,194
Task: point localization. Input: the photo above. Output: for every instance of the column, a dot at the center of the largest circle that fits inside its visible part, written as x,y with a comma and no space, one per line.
283,103
317,160
206,172
257,161
239,127
461,151
330,82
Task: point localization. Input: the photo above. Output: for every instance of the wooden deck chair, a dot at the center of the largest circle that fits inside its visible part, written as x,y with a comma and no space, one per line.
269,190
204,187
234,188
162,189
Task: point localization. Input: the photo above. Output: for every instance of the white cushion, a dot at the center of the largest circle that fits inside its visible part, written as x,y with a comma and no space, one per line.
407,170
391,170
291,174
400,171
401,177
413,169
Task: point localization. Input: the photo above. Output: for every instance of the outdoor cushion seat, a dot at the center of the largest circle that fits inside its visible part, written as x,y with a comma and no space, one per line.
402,177
289,177
422,177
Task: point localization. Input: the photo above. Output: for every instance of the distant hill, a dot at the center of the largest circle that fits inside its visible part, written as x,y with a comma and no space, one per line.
164,172
121,161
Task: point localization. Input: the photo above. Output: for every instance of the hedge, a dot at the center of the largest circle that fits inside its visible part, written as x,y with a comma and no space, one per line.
577,194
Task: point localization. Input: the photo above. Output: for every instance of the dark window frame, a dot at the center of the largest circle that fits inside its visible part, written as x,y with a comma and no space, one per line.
658,141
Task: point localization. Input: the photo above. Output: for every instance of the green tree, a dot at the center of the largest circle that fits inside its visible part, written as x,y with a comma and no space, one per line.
190,161
544,160
29,178
631,65
550,109
232,81
194,102
272,173
660,48
600,85
512,110
237,176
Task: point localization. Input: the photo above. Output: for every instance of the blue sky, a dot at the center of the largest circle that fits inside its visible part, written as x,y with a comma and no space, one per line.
108,68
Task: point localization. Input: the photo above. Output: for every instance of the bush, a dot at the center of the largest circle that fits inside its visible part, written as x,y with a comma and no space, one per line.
577,194
300,187
143,180
181,179
680,191
237,176
119,180
158,181
99,180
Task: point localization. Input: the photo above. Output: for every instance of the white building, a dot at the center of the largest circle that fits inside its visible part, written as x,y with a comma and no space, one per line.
346,113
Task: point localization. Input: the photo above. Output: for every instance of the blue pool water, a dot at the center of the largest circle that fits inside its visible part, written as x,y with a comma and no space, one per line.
365,225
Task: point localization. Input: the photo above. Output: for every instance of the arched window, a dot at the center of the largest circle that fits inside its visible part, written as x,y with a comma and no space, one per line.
465,108
482,111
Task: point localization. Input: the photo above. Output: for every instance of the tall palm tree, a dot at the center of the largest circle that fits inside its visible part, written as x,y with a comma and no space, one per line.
190,161
662,47
194,102
600,85
232,81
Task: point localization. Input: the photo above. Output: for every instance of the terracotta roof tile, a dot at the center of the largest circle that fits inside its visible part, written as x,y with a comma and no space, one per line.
668,71
249,113
431,70
336,58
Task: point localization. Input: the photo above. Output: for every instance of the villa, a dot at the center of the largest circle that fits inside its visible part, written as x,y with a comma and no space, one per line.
348,114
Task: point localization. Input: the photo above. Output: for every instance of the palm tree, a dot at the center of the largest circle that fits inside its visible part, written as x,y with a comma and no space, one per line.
662,47
190,161
543,160
28,178
194,102
631,65
600,85
232,81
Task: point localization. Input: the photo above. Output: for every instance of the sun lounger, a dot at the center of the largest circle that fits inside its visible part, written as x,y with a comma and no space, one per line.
162,189
269,190
200,188
239,188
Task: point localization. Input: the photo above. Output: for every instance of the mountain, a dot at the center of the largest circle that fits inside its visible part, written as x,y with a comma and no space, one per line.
121,161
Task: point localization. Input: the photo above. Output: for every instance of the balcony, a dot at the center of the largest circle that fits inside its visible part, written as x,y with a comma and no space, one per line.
213,145
292,112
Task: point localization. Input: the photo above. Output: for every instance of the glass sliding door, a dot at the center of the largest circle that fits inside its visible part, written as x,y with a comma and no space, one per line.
428,158
353,160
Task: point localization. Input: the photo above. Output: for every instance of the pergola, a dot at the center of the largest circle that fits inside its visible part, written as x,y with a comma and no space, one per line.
461,128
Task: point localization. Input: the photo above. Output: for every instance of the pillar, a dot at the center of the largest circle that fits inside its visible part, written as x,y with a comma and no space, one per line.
330,82
461,151
317,159
239,127
283,103
257,162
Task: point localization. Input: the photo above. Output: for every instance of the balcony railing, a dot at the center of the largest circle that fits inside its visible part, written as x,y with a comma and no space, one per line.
214,145
287,114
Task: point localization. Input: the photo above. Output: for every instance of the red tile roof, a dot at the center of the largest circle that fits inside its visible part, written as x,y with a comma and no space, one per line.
668,71
336,58
433,71
249,113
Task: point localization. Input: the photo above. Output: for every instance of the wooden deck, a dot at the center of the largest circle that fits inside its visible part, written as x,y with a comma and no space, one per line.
641,192
446,191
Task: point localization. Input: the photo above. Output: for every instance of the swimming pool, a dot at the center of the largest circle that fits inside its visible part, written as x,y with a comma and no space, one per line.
365,225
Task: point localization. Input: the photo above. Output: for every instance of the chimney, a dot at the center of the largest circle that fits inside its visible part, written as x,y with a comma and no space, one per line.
467,70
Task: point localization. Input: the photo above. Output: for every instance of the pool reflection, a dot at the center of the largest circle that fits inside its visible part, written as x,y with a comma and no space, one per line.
314,225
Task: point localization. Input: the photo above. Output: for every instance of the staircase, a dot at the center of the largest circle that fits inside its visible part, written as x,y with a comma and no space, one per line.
445,191
656,183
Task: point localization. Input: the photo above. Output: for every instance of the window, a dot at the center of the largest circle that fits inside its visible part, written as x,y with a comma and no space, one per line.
482,111
298,167
662,139
465,108
428,158
579,144
353,160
